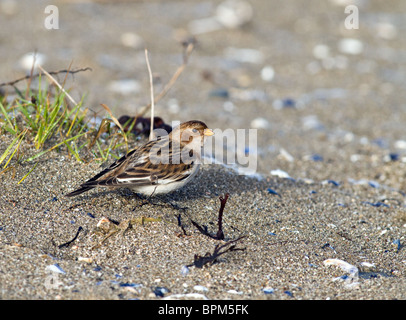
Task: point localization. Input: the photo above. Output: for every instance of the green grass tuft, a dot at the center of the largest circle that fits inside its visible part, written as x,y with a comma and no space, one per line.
49,122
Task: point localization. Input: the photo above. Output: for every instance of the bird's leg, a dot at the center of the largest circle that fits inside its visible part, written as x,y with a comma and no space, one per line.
144,200
173,205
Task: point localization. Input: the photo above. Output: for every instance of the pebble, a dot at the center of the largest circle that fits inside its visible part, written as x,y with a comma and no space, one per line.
344,3
267,73
232,291
184,271
250,95
131,40
228,106
376,204
173,106
370,183
220,92
271,191
279,104
132,285
192,296
85,259
229,14
391,157
290,294
350,46
311,122
124,86
160,291
268,290
31,58
260,123
329,181
279,173
321,51
374,184
286,155
201,26
367,265
400,144
234,13
200,288
398,244
386,30
315,157
246,55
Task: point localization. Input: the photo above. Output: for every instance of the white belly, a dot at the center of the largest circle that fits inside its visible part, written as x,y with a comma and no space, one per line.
162,188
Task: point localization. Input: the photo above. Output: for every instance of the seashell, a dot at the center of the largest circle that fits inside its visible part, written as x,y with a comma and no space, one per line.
55,268
84,259
200,288
194,296
345,266
268,290
160,291
184,271
271,191
279,173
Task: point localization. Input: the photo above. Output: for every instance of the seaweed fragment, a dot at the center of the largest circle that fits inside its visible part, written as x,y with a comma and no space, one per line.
220,234
141,125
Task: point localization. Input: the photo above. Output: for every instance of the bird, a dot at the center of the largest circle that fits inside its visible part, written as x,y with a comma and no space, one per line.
160,166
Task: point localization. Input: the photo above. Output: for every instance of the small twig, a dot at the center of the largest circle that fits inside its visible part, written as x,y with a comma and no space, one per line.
188,50
57,84
69,242
30,76
283,242
102,128
151,85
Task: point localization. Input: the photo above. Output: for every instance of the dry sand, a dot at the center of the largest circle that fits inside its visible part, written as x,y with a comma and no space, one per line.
332,119
287,238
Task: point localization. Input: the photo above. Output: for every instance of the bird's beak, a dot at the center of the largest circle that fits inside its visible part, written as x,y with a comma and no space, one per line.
208,132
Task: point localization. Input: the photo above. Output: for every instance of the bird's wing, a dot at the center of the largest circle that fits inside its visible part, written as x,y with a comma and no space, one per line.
91,183
157,162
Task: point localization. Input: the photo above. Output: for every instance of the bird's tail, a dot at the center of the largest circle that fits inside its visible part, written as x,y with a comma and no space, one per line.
79,191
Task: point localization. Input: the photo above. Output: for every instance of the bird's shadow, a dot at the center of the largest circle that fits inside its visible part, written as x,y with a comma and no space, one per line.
210,182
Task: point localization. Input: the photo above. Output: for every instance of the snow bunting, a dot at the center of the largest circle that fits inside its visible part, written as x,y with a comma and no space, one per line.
159,166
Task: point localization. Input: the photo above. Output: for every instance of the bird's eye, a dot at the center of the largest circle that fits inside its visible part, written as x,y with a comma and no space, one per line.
194,130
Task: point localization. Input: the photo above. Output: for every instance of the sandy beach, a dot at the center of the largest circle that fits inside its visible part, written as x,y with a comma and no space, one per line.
323,217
